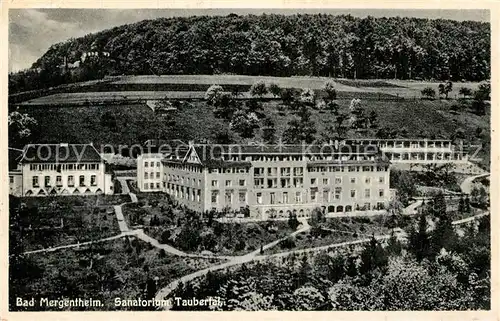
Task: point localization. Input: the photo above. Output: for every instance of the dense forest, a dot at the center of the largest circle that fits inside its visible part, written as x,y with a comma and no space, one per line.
278,45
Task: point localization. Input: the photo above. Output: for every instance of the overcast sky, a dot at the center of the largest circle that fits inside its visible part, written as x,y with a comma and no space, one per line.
33,31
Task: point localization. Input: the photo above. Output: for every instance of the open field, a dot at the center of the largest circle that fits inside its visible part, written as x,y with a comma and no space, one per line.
117,269
194,86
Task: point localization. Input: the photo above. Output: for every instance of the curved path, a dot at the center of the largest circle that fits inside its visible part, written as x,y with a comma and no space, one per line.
164,292
467,184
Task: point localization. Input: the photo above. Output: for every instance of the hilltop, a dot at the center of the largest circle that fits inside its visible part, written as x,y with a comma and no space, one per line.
273,45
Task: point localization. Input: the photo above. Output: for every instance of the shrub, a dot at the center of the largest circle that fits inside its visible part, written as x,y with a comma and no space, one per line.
258,89
274,89
428,93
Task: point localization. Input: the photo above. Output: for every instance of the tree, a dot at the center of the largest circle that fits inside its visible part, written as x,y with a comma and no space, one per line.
275,89
268,130
438,205
405,185
445,89
20,128
373,257
258,89
300,129
443,235
244,123
372,119
307,97
394,246
464,91
419,240
293,223
288,96
330,91
428,93
213,94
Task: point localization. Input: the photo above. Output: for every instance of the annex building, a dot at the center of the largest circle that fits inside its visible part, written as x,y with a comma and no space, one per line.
58,169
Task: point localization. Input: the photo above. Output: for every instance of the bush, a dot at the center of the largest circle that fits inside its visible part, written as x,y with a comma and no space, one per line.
162,254
274,89
240,245
258,89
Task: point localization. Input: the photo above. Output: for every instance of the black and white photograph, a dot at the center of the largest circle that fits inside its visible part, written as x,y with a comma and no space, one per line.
249,159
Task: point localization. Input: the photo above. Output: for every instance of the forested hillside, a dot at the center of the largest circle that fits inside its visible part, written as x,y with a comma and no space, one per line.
279,45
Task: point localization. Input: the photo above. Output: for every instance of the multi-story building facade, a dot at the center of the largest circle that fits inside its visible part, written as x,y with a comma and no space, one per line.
149,167
62,169
15,173
416,151
274,181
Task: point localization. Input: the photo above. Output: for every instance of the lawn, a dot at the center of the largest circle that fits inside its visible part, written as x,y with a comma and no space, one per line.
48,222
115,269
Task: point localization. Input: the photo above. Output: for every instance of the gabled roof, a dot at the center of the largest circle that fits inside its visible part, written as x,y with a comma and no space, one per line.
60,153
14,158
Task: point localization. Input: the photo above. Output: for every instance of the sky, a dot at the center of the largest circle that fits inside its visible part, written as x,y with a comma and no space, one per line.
33,31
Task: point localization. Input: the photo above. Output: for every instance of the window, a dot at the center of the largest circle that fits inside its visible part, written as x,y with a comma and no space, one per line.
285,182
35,181
215,183
242,197
229,183
381,192
198,195
146,175
353,180
273,198
259,182
146,185
157,174
258,171
152,164
338,180
11,179
325,181
285,197
367,180
381,179
93,181
71,181
298,197
272,183
157,185
297,171
326,197
367,193
82,180
259,198
313,181
59,180
157,164
272,171
285,171
338,192
146,164
314,196
298,182
353,193
152,185
47,181
242,182
215,197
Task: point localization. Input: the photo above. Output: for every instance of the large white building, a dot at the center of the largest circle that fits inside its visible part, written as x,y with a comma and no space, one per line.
59,169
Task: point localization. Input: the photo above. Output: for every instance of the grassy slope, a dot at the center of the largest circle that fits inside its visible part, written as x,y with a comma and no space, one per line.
136,123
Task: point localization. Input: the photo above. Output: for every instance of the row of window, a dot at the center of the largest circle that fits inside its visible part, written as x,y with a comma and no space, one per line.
183,180
298,182
298,158
328,196
187,168
184,192
273,171
151,186
70,181
229,183
232,170
63,167
151,175
229,197
151,164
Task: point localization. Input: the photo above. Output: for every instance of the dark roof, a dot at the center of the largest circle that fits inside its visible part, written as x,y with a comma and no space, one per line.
14,158
60,153
206,152
165,146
